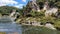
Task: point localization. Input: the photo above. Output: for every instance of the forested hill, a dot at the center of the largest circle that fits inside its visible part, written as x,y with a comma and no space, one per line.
8,9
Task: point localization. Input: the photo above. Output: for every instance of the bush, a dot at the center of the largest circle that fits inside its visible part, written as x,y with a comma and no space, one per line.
37,14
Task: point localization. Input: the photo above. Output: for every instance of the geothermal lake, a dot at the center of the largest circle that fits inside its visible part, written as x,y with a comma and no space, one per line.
8,26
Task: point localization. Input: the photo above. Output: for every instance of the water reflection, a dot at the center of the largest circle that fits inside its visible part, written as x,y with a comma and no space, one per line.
7,25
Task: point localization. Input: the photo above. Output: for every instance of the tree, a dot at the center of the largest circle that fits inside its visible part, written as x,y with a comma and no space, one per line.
7,9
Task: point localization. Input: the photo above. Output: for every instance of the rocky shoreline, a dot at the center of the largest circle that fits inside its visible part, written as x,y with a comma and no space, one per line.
47,25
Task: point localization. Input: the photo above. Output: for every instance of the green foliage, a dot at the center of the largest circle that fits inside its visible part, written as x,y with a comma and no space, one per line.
37,14
53,2
33,13
7,9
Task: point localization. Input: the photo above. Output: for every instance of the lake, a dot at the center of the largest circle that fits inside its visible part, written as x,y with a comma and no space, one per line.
8,26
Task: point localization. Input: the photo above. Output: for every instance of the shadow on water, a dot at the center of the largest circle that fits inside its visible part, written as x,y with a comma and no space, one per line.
38,30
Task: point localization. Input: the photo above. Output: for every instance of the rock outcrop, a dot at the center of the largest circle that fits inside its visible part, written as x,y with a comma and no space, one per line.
33,5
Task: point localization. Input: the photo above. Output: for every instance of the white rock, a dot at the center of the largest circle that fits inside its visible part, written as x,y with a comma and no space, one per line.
50,26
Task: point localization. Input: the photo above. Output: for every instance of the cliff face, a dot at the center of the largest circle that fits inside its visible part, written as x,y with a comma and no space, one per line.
32,5
40,6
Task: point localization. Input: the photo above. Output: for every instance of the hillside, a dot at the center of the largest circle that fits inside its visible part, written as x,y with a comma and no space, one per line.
34,11
8,9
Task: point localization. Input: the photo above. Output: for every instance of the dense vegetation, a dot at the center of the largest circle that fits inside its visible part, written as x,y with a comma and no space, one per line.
8,9
51,2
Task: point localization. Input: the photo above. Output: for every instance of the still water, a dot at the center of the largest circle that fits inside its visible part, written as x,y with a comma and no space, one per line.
9,26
